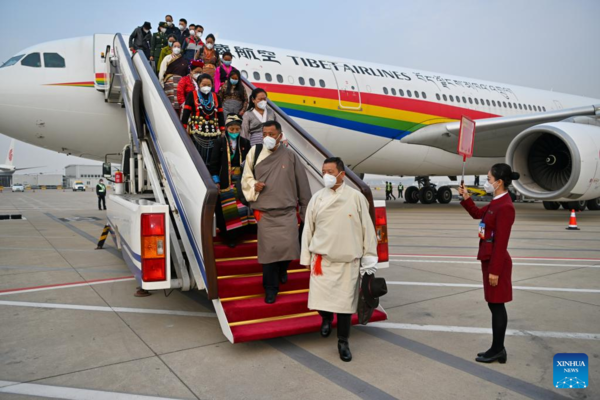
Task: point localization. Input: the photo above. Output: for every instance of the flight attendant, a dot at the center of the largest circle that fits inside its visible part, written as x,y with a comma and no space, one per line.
496,223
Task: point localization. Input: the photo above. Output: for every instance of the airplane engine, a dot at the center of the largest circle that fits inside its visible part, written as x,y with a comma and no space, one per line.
557,161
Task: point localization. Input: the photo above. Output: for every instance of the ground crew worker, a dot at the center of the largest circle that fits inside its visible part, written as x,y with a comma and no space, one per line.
101,193
400,190
391,190
387,190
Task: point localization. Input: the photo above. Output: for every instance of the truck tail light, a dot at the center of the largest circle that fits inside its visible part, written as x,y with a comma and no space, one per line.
154,266
383,252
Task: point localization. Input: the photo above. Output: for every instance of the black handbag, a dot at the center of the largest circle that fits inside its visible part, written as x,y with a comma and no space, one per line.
238,184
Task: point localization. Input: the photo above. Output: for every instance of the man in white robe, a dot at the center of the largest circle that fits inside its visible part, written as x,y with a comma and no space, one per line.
340,245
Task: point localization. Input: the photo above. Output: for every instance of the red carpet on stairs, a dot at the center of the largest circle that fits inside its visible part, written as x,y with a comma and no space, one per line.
242,296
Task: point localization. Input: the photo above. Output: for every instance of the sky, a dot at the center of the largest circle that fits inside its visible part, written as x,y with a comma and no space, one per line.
545,44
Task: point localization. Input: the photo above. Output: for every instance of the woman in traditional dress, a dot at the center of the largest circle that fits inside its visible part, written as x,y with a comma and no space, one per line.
257,114
223,71
202,117
497,220
209,56
232,95
173,67
188,83
225,165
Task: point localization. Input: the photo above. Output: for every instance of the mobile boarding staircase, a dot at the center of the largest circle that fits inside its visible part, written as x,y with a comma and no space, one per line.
165,174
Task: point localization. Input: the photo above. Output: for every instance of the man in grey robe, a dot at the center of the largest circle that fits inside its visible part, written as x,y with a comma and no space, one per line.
275,188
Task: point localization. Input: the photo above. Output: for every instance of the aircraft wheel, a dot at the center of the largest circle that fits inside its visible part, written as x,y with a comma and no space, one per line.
551,205
412,194
574,205
593,204
444,195
427,195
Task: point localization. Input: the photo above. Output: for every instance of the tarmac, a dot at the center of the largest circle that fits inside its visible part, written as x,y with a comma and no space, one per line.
71,327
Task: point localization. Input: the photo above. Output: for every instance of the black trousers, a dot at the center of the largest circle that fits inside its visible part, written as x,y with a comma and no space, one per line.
344,321
499,324
103,200
271,273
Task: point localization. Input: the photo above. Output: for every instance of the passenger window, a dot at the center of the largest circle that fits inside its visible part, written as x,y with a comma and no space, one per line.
520,106
257,76
437,96
458,99
494,103
268,77
476,101
401,93
12,61
504,104
322,83
451,98
470,100
312,82
416,94
301,81
393,91
488,102
409,93
445,98
290,79
279,78
32,60
424,95
245,73
543,109
529,106
509,105
385,90
53,60
464,100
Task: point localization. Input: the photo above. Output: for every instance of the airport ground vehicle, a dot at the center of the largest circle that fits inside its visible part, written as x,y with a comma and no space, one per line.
164,222
78,186
17,187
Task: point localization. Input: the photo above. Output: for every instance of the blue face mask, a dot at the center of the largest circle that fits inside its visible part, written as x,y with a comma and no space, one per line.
234,81
233,135
227,63
171,44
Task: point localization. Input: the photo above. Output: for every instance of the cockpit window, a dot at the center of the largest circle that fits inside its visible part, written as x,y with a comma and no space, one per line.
53,60
12,61
32,60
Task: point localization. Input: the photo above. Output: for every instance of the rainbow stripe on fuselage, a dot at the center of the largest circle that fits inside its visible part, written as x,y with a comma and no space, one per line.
381,115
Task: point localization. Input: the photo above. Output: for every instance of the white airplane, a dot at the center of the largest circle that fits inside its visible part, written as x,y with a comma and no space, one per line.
380,119
9,166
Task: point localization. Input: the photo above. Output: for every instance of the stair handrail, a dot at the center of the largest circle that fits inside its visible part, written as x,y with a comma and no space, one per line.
350,175
210,200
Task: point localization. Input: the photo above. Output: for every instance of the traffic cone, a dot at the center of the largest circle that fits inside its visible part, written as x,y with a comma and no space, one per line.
573,222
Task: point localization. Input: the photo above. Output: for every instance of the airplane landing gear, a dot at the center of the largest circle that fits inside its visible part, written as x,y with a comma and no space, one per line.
427,192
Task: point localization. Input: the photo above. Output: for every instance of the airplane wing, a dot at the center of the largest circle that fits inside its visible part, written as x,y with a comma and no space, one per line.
492,135
19,169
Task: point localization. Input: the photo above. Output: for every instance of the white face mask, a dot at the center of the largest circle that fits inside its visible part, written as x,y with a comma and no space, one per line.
192,32
269,142
330,181
195,76
199,34
182,27
262,104
489,188
170,23
163,30
176,50
206,89
209,46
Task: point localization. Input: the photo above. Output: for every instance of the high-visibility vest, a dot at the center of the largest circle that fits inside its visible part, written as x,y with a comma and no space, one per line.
102,188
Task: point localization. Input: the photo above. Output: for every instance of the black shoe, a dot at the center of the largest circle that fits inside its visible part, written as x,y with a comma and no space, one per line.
344,350
482,353
283,277
500,357
325,328
270,298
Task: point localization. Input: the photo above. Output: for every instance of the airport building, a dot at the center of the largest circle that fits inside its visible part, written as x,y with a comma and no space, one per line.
88,174
39,179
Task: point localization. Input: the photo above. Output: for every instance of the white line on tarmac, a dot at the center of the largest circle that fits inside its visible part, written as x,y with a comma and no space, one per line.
479,263
59,392
470,285
66,286
103,308
465,329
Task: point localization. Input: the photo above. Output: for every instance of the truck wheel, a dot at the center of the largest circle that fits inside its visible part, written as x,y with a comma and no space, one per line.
412,194
444,195
551,205
427,195
593,204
